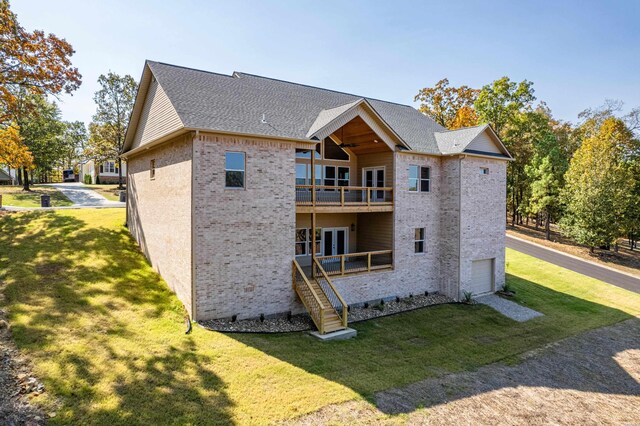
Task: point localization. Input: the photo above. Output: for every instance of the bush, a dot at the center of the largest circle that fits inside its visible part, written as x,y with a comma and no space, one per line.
468,297
87,179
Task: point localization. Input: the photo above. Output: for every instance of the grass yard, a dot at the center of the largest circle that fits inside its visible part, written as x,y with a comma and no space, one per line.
108,191
15,196
107,337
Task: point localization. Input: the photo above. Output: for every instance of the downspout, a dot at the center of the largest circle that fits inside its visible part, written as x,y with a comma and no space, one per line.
193,312
459,226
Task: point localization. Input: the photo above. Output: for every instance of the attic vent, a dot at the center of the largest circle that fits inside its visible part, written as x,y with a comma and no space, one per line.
153,79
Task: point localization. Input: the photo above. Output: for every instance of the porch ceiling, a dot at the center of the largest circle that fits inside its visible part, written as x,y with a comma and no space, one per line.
358,138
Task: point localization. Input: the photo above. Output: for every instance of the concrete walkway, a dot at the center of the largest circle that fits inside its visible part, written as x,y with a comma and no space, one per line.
508,308
82,196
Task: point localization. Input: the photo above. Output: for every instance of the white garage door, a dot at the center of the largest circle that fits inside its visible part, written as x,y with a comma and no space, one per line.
481,276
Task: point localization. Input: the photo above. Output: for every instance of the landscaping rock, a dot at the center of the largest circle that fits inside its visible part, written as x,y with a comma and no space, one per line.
302,322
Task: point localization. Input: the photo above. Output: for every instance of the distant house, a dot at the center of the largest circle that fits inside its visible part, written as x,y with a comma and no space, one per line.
107,171
5,178
258,196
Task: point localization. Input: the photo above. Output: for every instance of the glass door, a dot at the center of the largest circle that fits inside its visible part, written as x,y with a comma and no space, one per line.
374,178
335,242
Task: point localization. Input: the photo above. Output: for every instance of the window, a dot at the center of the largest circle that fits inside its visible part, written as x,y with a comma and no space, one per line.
419,179
332,151
152,169
303,241
303,174
343,176
234,169
484,170
108,167
418,240
329,176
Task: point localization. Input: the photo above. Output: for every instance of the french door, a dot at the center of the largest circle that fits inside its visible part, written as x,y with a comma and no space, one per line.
335,241
373,177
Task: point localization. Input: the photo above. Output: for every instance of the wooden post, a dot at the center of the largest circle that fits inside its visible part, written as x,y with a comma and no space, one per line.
342,264
342,196
313,244
313,177
368,196
369,262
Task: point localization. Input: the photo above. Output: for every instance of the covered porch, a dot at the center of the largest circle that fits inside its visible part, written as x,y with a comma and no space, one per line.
346,243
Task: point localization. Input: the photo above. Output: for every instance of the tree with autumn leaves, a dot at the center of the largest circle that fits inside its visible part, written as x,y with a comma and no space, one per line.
586,177
32,64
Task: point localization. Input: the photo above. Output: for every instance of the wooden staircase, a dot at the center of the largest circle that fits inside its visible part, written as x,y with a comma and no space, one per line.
325,305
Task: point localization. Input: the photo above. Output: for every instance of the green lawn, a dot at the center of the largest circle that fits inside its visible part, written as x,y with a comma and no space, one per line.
107,337
15,196
108,191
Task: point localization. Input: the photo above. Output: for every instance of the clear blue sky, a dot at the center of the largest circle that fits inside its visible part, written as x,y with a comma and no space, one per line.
578,53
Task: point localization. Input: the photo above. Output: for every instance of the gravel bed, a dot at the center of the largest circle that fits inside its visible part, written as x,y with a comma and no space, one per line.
302,322
17,384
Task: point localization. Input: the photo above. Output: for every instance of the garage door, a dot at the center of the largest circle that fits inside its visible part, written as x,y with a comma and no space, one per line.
481,276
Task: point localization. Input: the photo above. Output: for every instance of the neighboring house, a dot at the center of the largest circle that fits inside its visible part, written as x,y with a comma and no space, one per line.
224,196
5,178
107,171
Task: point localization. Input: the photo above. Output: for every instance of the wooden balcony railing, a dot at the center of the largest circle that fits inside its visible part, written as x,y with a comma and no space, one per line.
353,263
343,196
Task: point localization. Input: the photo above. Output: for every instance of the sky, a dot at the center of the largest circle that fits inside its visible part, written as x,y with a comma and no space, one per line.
577,53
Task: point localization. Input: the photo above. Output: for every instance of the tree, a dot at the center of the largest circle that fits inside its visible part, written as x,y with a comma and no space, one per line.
500,101
545,188
74,137
33,61
13,152
41,130
451,107
114,102
598,185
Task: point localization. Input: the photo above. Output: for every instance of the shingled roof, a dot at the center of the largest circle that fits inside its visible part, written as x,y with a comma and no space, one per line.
250,104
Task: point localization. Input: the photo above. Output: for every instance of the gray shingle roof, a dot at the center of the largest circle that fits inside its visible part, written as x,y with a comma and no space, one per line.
239,102
236,103
455,141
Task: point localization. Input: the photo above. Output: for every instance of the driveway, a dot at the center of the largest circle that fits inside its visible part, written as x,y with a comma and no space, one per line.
82,196
589,379
619,279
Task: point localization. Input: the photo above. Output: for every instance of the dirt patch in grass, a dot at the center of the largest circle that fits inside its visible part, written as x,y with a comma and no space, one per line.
593,378
625,260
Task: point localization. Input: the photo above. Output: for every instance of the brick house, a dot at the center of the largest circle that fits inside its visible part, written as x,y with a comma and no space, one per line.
254,196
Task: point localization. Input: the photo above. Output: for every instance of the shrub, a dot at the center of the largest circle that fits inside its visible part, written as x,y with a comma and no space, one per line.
87,179
468,296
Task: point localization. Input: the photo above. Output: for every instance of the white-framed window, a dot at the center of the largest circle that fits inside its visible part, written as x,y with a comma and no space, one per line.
419,178
304,241
152,169
343,176
484,170
234,170
418,240
108,167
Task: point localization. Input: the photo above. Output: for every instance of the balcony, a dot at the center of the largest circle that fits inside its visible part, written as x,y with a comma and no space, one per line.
357,263
345,199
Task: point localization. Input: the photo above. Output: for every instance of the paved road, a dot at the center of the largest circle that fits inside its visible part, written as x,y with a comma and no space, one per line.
83,196
583,267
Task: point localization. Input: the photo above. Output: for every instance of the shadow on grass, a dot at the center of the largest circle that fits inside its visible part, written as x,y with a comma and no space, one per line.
81,306
430,343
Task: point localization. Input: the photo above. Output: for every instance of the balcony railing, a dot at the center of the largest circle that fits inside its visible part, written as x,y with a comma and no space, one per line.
353,263
343,196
